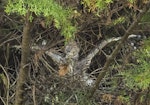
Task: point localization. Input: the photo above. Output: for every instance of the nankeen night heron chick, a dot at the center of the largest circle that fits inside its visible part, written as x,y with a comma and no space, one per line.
72,54
72,50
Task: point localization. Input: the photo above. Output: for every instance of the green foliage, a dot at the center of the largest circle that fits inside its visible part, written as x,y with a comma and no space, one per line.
46,8
78,97
82,98
119,20
137,77
146,17
102,4
124,99
94,5
132,1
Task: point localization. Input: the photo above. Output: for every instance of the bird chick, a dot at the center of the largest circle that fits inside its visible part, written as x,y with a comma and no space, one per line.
72,50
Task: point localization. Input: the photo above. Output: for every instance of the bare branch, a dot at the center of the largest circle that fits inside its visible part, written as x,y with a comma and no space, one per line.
116,50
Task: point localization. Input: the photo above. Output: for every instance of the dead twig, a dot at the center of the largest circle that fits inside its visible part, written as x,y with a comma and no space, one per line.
116,50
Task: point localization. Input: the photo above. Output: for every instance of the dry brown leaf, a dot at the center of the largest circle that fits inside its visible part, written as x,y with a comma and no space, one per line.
63,70
107,97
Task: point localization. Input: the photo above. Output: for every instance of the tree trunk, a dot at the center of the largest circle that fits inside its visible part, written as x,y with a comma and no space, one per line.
24,68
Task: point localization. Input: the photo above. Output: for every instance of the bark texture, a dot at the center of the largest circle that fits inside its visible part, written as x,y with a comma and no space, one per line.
24,67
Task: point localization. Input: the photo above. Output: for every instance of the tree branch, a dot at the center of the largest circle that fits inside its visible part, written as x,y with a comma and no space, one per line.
116,50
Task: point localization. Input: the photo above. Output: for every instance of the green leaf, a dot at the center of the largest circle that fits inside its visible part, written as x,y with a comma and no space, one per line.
47,8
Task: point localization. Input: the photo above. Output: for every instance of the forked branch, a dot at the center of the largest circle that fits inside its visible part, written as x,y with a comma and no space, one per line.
116,50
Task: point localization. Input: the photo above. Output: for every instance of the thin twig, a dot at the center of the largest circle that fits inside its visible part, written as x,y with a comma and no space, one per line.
8,84
33,95
116,50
